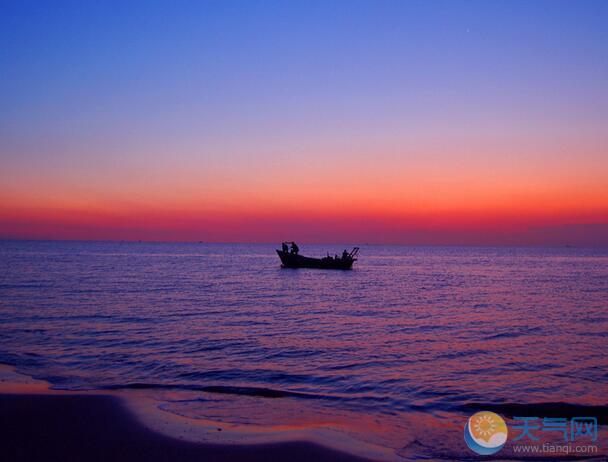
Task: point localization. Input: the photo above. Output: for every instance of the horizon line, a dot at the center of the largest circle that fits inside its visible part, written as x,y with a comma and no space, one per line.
367,244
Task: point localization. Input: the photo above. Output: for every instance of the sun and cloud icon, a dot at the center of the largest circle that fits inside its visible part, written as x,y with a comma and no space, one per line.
485,433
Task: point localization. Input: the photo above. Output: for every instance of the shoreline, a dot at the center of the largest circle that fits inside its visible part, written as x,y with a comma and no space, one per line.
38,423
66,427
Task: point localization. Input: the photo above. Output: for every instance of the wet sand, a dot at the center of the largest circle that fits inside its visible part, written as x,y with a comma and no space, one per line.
77,427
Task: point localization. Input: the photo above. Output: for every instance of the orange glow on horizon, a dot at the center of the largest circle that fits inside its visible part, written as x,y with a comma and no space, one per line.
259,224
394,198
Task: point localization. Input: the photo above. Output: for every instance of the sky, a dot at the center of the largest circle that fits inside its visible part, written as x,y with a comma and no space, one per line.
430,122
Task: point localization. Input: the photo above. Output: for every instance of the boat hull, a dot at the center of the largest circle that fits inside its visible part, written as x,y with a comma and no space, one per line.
290,260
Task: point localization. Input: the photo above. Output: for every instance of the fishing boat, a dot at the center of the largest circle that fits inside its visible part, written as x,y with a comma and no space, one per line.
292,259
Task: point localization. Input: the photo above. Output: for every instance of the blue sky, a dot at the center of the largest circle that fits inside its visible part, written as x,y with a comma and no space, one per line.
109,100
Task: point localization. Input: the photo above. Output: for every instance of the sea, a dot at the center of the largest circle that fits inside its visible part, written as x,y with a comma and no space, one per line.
397,352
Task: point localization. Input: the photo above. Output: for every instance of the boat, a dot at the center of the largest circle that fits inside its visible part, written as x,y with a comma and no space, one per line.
291,259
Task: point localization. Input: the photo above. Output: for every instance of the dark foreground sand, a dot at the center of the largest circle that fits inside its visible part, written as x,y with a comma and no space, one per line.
99,428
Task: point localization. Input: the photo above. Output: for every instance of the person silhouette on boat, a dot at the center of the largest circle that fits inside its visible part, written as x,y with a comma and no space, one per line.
284,247
294,248
345,255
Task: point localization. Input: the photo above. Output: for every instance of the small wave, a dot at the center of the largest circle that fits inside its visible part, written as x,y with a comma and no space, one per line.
223,389
558,409
513,333
260,392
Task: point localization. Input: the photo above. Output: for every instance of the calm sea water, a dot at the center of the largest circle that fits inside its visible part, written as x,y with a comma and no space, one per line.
413,338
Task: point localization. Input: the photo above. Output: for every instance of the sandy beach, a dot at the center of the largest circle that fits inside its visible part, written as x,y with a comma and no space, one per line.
39,423
77,427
